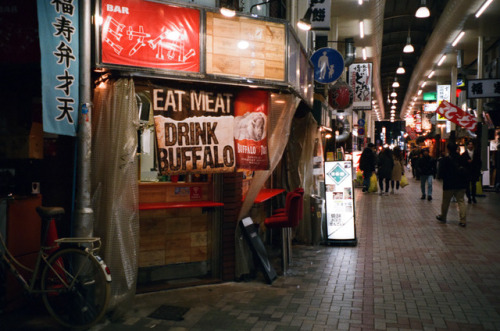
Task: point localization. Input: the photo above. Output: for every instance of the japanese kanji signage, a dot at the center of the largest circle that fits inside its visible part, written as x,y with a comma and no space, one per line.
483,88
151,35
443,93
360,80
58,33
320,14
457,115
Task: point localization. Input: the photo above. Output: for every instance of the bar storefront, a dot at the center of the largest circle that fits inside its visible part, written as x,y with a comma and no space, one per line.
192,114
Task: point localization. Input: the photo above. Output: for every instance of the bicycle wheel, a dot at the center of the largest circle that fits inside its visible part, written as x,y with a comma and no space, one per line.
77,290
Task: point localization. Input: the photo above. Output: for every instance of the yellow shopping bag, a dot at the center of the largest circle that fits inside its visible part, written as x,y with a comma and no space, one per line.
373,183
404,181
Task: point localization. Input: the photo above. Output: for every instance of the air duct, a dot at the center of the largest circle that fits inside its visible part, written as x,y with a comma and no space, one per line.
460,58
350,52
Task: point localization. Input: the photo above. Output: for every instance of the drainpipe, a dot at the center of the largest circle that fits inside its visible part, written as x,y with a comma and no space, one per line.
84,226
350,52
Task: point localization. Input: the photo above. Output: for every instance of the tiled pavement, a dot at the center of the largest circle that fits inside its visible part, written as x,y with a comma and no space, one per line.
408,272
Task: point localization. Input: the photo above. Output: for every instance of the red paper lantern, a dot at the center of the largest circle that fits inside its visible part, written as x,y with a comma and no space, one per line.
340,95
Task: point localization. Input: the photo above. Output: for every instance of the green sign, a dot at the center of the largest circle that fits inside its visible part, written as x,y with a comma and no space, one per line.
430,96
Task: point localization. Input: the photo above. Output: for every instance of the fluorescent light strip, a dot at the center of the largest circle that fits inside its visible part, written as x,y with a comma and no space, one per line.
483,8
431,74
441,60
457,39
361,29
364,54
423,84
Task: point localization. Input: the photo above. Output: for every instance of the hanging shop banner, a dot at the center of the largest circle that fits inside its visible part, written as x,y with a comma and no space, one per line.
328,65
59,48
360,80
320,14
457,115
194,129
340,223
250,130
244,47
147,34
483,88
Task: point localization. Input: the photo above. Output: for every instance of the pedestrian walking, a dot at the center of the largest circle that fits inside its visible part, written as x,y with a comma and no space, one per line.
413,157
452,171
385,163
426,167
367,163
473,166
398,169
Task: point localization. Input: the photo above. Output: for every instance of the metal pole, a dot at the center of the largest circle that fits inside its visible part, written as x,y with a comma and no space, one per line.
84,225
482,130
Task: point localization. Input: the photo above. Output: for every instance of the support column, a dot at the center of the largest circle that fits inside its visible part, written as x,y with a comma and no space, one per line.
84,222
482,130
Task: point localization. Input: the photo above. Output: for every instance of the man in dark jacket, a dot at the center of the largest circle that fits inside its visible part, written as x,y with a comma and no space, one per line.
367,165
452,171
426,168
473,163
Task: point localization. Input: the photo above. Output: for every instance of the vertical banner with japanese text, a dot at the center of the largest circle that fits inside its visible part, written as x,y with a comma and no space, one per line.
59,47
360,80
194,128
250,130
151,35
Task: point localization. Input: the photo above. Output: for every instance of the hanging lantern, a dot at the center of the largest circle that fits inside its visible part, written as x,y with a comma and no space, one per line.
340,95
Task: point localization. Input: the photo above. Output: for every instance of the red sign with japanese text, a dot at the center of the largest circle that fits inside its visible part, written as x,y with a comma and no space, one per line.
457,115
152,35
250,130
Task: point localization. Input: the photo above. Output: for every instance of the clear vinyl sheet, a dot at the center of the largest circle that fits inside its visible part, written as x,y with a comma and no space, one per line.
114,186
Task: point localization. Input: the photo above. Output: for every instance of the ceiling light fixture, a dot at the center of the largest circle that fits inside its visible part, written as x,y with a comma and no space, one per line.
419,92
394,94
441,60
423,11
395,84
305,23
457,39
361,29
360,2
401,69
228,10
483,8
393,107
431,74
423,84
394,101
364,53
408,47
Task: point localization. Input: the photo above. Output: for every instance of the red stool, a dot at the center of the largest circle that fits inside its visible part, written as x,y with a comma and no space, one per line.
285,222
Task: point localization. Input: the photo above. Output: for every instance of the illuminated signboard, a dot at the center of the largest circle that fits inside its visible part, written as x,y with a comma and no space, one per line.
150,35
430,96
340,221
243,47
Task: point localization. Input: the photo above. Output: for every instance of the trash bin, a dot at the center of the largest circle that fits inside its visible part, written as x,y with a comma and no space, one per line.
317,204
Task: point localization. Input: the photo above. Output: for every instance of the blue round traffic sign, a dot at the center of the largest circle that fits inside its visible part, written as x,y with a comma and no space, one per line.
328,65
361,122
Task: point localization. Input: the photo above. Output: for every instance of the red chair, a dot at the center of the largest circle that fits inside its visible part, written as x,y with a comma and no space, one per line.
286,221
299,190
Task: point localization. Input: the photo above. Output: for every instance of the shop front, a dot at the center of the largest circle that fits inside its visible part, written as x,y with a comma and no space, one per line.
192,114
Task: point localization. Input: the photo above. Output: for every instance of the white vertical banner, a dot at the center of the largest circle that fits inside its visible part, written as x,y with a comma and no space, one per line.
443,93
339,195
360,80
320,14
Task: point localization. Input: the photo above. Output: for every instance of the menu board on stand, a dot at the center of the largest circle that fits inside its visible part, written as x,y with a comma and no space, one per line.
340,216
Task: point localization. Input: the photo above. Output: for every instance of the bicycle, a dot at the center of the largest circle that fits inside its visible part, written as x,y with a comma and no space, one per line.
75,282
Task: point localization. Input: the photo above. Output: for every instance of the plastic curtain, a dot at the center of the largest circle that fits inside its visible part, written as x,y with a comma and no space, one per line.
280,116
300,164
114,186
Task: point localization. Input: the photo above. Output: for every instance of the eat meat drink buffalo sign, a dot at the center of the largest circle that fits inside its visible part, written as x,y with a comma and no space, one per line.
194,129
